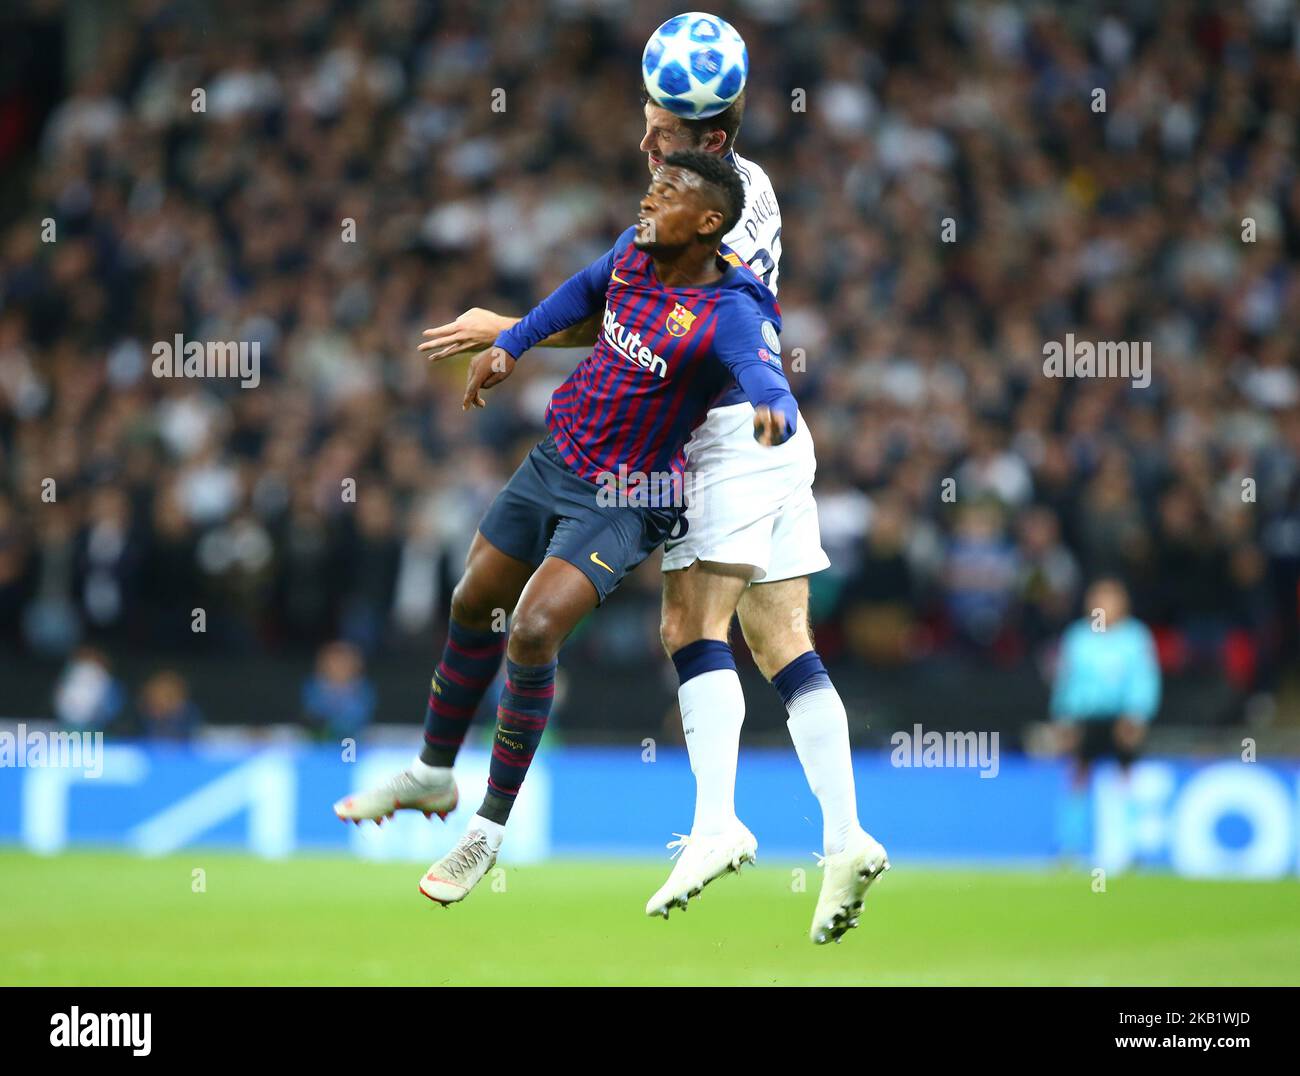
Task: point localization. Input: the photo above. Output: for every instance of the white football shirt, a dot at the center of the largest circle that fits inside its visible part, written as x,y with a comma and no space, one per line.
757,238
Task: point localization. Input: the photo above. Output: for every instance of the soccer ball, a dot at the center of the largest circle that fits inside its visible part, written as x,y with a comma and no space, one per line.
695,65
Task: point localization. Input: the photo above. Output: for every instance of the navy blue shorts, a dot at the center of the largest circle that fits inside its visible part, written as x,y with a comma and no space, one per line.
546,510
1097,741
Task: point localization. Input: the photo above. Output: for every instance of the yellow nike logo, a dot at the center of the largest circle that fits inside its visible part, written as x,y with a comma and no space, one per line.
595,559
615,276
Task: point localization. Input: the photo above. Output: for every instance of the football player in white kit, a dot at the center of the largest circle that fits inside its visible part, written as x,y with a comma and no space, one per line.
749,542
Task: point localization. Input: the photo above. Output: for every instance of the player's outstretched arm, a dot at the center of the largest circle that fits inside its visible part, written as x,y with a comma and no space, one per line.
582,334
577,300
477,328
468,334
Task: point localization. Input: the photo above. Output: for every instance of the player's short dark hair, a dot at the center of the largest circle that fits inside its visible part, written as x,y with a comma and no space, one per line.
727,121
722,180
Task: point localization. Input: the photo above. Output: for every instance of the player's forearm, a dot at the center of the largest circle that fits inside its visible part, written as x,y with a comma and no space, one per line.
567,307
579,335
576,335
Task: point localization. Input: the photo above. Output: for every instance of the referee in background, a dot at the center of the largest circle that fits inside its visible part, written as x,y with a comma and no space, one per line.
1106,692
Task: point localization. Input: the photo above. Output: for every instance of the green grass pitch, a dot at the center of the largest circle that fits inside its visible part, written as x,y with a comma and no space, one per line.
108,919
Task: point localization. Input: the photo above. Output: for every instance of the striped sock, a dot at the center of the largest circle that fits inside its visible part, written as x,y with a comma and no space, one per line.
469,665
521,719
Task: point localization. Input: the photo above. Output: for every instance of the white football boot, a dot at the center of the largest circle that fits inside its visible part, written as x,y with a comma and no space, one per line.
401,792
700,859
460,870
847,877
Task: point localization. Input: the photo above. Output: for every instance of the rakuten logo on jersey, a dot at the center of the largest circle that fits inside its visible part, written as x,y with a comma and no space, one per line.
630,347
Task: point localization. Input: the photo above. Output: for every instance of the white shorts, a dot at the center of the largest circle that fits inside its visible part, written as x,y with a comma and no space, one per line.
748,503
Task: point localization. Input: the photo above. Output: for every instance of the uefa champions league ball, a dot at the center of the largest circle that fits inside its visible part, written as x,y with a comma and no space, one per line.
695,65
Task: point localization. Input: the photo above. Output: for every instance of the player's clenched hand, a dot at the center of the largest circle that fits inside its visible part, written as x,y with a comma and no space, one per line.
472,331
769,426
489,367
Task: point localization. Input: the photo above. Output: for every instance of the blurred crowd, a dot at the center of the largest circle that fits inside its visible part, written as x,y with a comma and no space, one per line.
960,183
335,702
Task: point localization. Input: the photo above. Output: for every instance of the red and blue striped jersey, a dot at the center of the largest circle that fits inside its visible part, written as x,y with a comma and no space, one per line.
663,356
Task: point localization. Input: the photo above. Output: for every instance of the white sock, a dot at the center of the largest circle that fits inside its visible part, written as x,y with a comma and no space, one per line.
495,831
430,775
713,709
820,730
